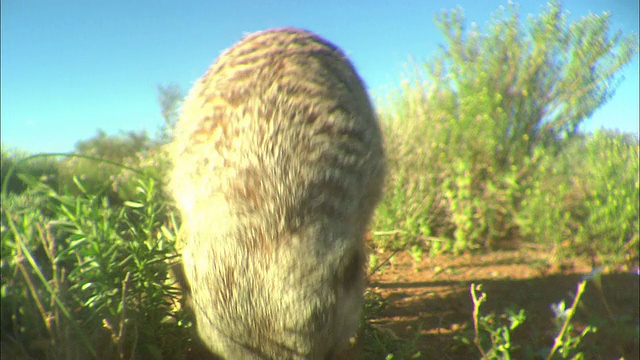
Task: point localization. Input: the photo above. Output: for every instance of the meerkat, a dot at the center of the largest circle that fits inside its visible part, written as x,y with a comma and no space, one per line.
278,164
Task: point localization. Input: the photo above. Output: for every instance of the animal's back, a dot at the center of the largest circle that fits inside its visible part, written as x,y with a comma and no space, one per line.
278,165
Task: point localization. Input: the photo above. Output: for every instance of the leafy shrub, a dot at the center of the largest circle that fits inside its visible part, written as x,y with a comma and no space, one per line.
15,163
108,163
466,133
585,199
82,278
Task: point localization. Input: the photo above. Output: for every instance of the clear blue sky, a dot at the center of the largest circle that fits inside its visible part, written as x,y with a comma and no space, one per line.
71,67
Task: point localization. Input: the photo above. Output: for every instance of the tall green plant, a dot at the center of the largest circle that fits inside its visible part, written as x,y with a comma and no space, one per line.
585,199
520,85
477,117
82,278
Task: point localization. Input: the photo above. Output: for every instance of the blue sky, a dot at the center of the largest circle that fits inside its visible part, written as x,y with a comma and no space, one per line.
71,67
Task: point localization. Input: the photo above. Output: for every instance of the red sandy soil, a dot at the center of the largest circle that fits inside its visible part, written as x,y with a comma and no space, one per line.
429,302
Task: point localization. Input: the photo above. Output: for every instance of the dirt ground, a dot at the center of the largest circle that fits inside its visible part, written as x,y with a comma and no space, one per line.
429,302
426,306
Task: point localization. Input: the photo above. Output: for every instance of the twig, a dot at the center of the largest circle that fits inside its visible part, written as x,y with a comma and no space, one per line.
123,317
557,342
476,314
385,261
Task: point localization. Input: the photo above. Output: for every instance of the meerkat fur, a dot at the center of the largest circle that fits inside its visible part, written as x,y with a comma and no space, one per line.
278,164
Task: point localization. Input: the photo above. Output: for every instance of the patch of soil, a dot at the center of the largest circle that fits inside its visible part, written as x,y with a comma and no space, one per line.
430,303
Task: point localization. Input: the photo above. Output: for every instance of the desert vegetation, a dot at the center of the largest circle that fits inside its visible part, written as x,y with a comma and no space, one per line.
487,160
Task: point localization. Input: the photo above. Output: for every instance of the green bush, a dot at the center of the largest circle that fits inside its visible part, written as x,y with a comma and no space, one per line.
466,134
84,279
108,163
14,164
585,199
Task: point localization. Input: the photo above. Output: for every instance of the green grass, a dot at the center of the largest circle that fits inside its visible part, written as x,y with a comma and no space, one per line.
84,279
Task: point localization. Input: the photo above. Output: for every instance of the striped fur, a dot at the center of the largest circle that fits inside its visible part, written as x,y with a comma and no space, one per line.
278,165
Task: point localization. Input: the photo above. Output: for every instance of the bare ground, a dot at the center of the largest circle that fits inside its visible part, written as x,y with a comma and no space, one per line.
427,304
